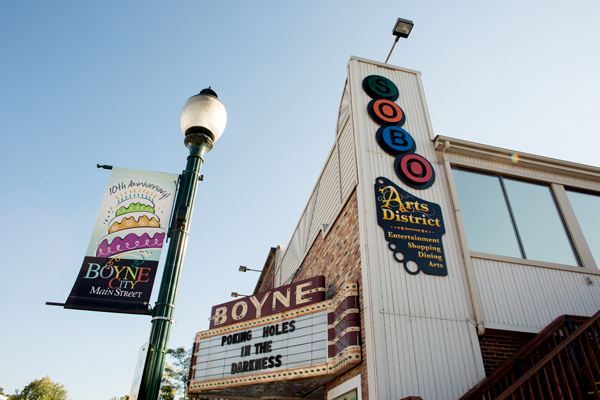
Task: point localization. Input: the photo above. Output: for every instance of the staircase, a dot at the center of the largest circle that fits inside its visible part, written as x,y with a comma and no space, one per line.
561,362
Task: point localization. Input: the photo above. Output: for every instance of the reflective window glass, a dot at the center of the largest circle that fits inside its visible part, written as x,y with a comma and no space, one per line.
485,214
347,396
586,208
509,217
539,224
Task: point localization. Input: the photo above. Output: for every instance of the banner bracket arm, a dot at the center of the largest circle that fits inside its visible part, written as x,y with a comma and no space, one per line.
104,166
171,320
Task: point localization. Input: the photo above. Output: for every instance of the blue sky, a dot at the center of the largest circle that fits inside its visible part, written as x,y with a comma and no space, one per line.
104,82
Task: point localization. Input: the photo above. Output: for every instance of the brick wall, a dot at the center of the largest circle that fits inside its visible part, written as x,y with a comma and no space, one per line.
269,281
337,257
496,349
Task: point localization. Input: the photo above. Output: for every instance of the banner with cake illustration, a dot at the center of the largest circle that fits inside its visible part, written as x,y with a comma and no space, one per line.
120,264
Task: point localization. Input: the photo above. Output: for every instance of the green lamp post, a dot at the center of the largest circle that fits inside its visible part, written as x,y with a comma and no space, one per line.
203,120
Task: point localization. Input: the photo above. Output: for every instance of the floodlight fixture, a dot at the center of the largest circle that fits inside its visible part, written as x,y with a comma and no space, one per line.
401,30
243,268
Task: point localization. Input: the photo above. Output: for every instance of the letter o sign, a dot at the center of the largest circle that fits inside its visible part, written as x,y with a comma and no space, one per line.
234,312
415,171
386,112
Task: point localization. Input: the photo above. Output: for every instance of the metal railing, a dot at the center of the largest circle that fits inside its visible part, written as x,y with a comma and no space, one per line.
561,362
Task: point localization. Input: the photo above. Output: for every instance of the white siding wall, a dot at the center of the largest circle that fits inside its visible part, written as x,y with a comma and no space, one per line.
420,332
347,160
430,368
329,199
334,186
528,298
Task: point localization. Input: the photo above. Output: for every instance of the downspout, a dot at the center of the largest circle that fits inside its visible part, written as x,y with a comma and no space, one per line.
462,239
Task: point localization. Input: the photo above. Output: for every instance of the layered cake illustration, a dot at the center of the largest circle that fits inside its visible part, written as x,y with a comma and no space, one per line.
118,270
132,226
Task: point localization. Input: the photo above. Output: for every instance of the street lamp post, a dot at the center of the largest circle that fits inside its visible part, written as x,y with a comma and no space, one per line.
203,120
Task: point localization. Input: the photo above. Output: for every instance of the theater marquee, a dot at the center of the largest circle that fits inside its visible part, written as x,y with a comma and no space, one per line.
269,355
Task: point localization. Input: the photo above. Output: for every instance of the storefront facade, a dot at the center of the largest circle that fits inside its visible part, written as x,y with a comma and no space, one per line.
448,249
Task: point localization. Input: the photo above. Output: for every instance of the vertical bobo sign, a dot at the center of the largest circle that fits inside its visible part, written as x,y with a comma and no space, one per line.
413,169
413,227
120,264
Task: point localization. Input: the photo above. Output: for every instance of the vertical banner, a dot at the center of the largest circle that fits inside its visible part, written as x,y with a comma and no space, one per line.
120,264
139,371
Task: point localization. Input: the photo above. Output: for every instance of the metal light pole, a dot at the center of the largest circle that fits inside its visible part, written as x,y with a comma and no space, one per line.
202,121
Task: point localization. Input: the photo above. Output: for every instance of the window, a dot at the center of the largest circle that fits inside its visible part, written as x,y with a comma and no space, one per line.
586,207
347,396
349,390
509,217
